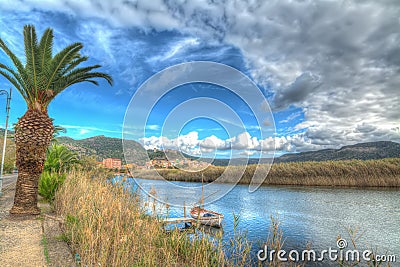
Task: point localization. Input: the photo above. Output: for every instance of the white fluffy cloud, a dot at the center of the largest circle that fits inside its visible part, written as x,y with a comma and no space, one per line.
242,144
186,143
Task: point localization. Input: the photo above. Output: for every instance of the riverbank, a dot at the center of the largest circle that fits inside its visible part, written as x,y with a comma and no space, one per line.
30,240
350,173
107,226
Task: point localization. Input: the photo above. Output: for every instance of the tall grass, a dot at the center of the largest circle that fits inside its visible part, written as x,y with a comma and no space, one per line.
363,173
107,227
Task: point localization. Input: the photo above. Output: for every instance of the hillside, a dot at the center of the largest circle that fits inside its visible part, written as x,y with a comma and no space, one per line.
9,159
100,146
363,151
105,147
170,155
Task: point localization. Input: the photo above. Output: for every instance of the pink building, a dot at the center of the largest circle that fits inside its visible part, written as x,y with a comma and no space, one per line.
112,163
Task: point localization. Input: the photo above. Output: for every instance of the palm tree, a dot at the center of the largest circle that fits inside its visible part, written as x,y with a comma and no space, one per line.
39,81
57,131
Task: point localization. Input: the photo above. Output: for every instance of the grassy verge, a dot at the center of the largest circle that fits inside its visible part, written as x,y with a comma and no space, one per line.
361,173
45,248
106,227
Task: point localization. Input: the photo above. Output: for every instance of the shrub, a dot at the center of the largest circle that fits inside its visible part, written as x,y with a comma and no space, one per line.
60,159
8,167
49,182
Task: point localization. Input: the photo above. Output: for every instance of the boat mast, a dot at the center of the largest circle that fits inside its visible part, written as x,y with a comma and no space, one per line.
202,190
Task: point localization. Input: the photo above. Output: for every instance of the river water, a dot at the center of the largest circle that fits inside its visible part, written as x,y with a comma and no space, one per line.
307,215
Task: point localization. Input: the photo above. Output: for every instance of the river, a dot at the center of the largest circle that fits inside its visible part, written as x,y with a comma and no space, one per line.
307,215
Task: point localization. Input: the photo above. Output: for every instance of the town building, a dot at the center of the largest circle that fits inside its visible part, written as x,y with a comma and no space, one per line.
187,163
112,163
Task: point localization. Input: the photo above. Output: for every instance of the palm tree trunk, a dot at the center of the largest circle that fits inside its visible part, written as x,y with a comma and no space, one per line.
33,134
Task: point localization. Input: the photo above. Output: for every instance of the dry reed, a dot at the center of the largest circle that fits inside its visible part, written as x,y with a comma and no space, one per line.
360,173
106,226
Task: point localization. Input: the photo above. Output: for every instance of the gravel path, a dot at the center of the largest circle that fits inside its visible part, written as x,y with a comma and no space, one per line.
30,240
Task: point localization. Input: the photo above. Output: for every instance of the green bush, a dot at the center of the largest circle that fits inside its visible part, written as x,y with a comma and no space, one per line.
8,167
60,159
49,182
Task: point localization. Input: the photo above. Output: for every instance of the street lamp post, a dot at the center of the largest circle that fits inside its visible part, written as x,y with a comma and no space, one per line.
5,135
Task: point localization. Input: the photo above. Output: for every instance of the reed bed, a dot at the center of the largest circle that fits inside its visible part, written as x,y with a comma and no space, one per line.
106,226
357,173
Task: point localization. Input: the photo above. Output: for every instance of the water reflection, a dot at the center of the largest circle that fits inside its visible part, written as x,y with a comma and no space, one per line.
315,215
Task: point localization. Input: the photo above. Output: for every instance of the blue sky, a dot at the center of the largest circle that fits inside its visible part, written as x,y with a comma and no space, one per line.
328,69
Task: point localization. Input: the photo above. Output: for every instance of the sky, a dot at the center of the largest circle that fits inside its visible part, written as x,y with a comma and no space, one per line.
326,72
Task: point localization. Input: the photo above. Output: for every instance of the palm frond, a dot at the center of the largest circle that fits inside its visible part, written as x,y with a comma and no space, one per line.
44,56
12,74
13,82
61,60
74,64
31,53
43,77
26,86
45,48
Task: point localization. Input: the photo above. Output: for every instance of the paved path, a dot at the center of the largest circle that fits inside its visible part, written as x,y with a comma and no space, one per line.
22,238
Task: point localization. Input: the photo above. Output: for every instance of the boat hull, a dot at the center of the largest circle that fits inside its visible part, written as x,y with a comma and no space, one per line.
207,217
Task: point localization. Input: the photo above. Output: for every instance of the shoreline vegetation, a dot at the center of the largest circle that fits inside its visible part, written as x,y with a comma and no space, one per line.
348,173
106,224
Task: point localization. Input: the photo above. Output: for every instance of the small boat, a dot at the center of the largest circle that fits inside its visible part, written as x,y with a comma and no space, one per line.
207,217
203,216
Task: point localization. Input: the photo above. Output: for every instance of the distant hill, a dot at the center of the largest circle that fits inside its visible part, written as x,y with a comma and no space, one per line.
100,146
106,147
9,131
170,155
363,151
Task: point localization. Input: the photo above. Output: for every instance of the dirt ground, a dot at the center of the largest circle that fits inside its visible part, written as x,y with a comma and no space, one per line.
31,240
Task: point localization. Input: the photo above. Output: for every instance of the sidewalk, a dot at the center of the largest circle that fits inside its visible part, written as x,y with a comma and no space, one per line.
30,240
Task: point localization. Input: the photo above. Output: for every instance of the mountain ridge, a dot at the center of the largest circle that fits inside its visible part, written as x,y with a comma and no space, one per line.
362,151
106,147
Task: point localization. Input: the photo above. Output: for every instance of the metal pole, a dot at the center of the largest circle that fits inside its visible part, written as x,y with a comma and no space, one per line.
5,136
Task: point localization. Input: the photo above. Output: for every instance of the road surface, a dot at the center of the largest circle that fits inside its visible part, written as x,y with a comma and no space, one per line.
9,180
